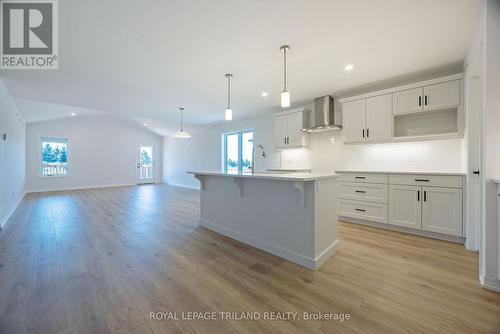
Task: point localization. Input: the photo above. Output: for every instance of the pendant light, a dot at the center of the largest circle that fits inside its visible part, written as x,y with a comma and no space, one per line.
285,94
181,133
228,114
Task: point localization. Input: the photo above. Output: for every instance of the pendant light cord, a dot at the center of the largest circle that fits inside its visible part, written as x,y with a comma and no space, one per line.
229,76
182,118
285,49
284,70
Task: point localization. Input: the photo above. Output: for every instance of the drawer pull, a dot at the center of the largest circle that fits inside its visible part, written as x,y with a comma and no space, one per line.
360,177
421,180
361,210
361,191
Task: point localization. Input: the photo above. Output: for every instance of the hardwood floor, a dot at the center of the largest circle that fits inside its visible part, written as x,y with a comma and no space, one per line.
100,260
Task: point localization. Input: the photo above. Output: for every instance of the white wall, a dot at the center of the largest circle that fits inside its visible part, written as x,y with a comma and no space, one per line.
490,258
203,151
102,152
12,156
325,153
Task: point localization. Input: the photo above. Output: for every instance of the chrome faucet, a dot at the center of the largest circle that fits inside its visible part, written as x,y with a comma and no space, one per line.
252,167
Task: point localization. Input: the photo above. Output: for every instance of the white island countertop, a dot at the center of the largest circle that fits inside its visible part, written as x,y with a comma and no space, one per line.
398,172
271,175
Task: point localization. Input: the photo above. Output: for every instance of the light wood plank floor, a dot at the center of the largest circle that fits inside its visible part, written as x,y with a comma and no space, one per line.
99,261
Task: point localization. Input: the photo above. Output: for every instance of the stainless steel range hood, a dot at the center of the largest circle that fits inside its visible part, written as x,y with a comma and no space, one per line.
324,117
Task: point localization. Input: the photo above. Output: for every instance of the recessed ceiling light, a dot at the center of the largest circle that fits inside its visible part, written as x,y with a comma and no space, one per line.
349,67
264,94
145,124
73,114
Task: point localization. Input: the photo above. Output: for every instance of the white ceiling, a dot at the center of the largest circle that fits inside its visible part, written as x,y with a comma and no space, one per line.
143,59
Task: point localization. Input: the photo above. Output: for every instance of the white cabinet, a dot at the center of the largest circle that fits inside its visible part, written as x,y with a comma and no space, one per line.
354,121
407,101
379,118
295,124
442,210
443,95
376,212
405,206
287,129
424,202
280,130
437,96
367,120
424,110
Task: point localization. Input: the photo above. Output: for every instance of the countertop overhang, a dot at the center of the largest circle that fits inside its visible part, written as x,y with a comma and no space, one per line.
271,176
398,172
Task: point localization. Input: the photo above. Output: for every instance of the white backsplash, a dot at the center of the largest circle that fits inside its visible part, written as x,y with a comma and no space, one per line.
326,153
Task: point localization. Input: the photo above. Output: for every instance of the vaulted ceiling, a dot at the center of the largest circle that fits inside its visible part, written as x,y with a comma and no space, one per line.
144,59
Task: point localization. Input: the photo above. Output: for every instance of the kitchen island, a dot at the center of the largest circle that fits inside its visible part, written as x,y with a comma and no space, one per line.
290,215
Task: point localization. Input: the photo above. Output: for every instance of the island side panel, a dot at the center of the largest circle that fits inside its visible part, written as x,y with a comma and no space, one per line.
326,239
268,215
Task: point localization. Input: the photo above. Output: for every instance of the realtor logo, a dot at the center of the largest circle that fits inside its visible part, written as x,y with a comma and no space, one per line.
29,34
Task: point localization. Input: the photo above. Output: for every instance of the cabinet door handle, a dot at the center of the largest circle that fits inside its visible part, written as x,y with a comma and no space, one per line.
361,191
475,172
421,180
420,101
361,210
425,100
368,133
418,196
363,133
360,177
425,196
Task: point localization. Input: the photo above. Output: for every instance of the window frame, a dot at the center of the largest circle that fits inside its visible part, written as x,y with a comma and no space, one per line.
54,139
240,148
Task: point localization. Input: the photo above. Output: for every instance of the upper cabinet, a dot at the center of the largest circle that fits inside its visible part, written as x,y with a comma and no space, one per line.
288,129
379,118
354,121
421,111
437,96
407,101
367,120
443,95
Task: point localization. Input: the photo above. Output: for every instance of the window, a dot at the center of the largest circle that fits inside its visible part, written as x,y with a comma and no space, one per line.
238,147
54,156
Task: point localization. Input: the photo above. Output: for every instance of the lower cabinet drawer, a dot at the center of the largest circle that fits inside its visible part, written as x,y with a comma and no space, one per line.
376,212
370,192
451,181
364,178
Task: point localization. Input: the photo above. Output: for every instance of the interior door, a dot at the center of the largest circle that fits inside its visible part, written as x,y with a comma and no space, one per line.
145,164
294,127
405,206
354,121
407,101
442,210
280,129
379,118
446,94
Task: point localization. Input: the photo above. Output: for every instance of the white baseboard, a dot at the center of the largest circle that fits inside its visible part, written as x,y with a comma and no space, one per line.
427,234
5,219
490,283
305,261
39,190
